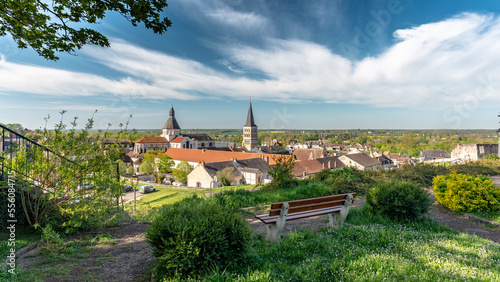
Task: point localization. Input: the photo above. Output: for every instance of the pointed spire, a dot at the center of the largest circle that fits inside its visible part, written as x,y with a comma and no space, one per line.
171,122
250,121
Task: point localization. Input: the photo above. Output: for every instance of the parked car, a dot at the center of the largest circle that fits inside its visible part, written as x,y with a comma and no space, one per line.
178,184
166,182
146,189
127,188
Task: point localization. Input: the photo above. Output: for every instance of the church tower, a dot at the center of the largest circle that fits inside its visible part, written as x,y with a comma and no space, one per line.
171,128
249,131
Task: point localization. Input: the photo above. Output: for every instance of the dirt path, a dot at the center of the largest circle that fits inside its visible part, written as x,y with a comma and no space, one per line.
125,258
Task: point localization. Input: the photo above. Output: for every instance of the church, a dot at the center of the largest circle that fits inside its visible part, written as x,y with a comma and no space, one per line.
171,137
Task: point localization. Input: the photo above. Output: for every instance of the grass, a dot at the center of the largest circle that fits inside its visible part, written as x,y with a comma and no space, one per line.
146,206
370,249
68,251
490,215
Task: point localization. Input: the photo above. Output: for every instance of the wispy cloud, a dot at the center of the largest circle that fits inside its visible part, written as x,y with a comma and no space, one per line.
427,66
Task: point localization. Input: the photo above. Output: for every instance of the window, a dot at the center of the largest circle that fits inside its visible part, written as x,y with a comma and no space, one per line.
210,144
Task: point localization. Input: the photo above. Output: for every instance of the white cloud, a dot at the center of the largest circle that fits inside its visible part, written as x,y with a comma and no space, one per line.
429,66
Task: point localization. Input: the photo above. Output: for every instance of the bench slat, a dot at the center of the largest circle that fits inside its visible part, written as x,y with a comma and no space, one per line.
309,207
303,202
272,219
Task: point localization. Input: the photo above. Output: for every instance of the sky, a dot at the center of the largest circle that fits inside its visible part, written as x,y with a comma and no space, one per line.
322,64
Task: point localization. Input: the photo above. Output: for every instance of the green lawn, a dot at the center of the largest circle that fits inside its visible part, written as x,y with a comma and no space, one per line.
370,249
169,195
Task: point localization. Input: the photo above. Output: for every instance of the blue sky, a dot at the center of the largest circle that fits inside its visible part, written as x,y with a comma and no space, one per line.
332,64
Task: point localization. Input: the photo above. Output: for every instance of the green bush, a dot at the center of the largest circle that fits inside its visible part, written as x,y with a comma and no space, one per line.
398,200
192,236
466,193
421,174
345,180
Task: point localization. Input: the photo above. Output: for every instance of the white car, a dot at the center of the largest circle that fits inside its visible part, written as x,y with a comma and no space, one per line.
146,189
178,184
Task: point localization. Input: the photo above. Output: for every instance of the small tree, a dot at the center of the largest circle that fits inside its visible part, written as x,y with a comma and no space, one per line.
122,167
182,170
71,182
130,170
146,167
226,176
282,171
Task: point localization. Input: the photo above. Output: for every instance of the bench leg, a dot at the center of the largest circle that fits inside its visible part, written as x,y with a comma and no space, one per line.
338,218
274,230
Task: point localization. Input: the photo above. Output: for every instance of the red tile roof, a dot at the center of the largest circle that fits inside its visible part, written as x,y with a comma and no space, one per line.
210,156
309,167
158,139
177,139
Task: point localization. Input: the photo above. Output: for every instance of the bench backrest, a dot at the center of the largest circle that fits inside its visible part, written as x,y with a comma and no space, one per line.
310,204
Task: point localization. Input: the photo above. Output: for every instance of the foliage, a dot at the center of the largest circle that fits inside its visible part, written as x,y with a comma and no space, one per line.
281,172
130,170
421,174
466,193
491,157
146,167
182,170
76,181
398,200
51,240
345,180
192,236
8,208
226,176
50,28
122,167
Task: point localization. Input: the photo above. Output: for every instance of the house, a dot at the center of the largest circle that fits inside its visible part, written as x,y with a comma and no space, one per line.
309,154
433,154
248,171
385,161
473,152
331,163
360,161
304,169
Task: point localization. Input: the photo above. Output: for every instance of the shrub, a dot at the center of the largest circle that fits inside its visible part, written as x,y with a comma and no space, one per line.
398,200
421,174
466,193
345,180
192,236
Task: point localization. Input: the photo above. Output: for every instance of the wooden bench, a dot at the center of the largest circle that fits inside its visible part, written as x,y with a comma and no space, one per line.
337,208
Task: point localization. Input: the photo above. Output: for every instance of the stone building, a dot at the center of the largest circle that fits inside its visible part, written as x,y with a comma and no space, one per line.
473,152
360,161
250,139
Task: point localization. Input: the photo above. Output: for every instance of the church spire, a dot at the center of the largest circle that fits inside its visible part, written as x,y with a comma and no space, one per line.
250,121
171,122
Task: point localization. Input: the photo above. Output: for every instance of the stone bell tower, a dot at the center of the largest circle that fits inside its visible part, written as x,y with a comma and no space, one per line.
250,131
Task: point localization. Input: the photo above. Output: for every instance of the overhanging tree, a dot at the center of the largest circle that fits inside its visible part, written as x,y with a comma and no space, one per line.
51,26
